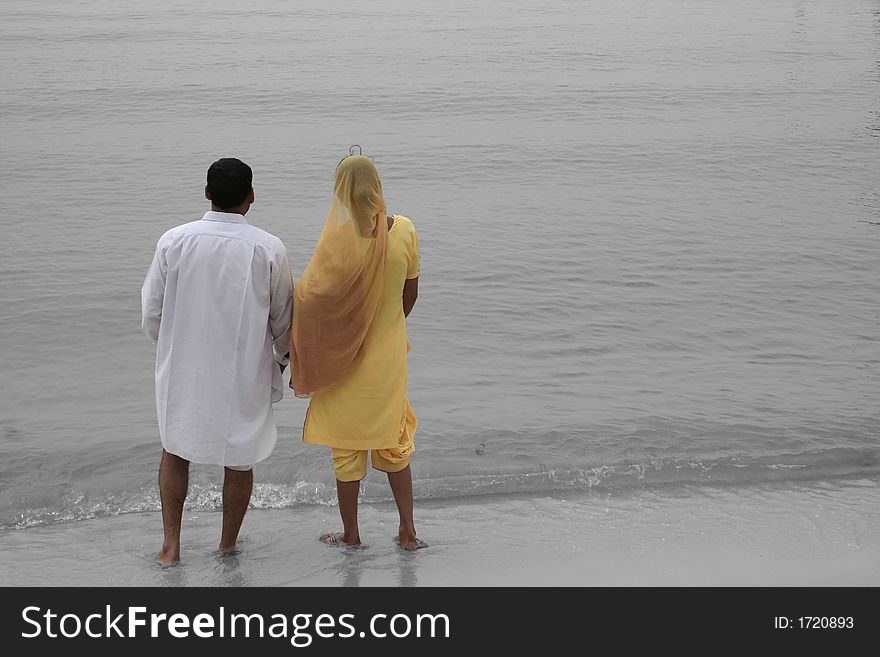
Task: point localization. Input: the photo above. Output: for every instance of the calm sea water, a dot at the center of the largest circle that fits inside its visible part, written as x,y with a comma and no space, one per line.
649,231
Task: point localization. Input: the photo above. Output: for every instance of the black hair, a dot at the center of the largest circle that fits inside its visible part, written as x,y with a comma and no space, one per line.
229,182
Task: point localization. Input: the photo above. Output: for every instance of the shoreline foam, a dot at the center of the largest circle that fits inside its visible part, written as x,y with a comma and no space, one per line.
816,534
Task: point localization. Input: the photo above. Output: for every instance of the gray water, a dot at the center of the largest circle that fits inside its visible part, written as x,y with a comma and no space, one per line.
649,231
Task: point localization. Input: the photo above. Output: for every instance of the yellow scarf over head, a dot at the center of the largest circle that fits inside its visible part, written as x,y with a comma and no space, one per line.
337,296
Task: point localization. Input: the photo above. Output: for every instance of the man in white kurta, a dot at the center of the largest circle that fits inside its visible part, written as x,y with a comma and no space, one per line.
217,301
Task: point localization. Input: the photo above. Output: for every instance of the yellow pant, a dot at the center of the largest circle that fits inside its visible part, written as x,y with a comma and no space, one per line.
351,464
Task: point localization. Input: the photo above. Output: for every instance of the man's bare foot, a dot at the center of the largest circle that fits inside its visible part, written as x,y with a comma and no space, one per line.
337,539
168,556
410,543
227,551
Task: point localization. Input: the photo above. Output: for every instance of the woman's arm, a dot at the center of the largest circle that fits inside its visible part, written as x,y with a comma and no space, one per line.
410,294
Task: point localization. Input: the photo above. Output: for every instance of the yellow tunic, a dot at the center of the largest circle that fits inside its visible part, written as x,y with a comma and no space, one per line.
370,409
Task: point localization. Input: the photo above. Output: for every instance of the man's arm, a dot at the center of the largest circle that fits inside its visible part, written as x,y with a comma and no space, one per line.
281,308
152,296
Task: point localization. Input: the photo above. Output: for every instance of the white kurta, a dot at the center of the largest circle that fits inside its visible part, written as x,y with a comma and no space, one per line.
217,301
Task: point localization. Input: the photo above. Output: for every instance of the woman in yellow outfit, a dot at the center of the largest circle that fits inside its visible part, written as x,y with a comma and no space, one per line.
349,345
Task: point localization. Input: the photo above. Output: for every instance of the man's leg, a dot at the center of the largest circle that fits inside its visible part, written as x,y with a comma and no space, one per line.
173,483
237,488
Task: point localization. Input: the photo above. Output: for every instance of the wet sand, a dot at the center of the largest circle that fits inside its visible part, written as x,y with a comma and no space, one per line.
823,533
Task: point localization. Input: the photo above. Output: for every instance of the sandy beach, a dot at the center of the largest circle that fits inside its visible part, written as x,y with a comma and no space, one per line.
823,533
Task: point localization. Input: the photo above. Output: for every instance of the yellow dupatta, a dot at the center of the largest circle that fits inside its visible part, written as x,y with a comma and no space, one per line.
337,297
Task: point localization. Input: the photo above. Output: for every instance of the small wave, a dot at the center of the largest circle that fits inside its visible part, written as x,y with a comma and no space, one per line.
79,506
543,479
